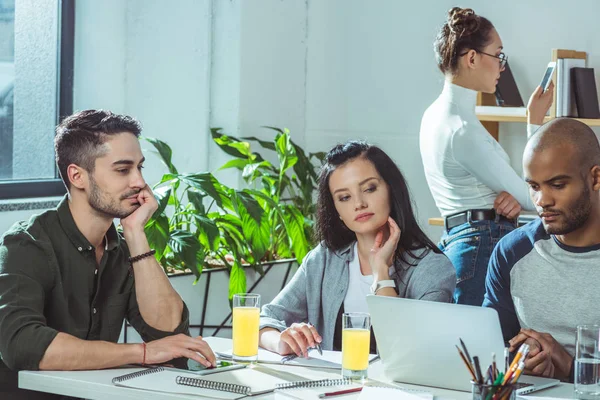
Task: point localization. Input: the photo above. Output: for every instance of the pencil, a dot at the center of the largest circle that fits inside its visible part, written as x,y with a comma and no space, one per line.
462,356
340,392
466,351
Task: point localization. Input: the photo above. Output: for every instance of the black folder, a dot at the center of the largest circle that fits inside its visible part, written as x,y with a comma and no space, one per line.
586,96
507,92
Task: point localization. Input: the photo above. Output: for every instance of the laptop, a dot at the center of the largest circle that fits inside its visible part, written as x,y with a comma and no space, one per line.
416,341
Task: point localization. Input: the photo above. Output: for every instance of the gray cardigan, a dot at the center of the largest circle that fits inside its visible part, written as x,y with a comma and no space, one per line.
317,290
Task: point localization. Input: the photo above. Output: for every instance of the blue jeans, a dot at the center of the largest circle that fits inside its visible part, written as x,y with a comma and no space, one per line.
469,247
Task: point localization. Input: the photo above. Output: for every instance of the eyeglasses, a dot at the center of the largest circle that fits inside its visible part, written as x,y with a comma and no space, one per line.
502,57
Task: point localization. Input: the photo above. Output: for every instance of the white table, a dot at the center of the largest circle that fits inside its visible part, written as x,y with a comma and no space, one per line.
97,385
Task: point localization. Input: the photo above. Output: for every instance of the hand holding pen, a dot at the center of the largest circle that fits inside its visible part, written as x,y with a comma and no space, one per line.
299,338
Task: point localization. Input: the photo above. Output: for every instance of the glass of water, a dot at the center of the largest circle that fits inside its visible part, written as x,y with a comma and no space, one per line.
587,362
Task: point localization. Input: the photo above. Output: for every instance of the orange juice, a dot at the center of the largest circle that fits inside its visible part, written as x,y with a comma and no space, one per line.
355,349
245,331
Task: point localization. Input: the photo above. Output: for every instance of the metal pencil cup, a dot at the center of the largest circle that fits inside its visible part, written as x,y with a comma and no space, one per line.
495,392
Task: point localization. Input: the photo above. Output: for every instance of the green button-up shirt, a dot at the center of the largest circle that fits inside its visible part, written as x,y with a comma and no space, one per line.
50,282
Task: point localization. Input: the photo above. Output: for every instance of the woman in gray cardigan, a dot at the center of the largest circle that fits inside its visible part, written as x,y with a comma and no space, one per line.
370,242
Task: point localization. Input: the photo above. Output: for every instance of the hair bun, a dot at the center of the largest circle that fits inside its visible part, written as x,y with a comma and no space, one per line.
463,21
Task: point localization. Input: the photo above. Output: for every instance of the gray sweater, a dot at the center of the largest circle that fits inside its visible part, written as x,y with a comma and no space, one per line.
317,290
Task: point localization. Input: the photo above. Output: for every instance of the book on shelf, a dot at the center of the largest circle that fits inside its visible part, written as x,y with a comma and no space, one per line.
565,89
586,95
507,93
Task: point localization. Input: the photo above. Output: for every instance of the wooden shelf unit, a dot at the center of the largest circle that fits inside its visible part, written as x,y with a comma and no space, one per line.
491,120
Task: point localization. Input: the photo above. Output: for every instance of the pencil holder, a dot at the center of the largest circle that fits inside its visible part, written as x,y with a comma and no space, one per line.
493,392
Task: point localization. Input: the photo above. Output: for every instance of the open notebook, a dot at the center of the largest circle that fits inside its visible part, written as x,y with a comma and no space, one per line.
329,359
224,385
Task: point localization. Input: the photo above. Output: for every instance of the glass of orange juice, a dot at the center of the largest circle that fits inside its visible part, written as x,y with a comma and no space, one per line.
246,313
356,337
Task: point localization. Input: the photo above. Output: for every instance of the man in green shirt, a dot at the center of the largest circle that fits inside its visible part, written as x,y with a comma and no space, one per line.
68,279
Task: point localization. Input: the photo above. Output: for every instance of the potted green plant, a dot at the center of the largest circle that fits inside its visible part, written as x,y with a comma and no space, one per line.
201,222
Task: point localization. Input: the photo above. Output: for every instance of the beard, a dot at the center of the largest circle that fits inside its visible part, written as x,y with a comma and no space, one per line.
579,213
101,202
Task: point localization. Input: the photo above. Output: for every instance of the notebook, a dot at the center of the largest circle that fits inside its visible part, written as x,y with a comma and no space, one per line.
329,359
225,385
319,389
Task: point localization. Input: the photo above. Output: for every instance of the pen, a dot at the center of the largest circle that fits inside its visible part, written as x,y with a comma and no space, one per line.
462,356
494,368
339,392
317,345
523,350
466,351
505,360
478,369
518,373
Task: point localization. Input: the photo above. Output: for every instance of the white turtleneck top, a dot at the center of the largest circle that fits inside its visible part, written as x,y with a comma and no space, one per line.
465,167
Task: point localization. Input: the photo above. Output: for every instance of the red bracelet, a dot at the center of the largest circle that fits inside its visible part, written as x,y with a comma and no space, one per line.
144,361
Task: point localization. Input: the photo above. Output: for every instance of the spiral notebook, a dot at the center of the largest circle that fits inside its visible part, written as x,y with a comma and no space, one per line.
317,389
311,389
224,385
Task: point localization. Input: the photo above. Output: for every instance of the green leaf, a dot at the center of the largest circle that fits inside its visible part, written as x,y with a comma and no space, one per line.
196,199
286,152
238,163
201,261
294,225
162,196
185,246
237,280
164,151
255,224
229,144
263,143
157,234
252,170
209,236
204,182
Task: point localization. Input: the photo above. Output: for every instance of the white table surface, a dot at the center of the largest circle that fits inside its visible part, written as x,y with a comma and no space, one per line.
97,385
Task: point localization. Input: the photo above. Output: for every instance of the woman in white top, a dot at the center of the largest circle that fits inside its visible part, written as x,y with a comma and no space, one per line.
468,172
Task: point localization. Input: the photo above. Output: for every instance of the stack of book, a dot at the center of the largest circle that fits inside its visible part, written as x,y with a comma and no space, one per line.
576,94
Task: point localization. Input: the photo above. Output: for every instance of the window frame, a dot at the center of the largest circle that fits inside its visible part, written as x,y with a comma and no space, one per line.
27,188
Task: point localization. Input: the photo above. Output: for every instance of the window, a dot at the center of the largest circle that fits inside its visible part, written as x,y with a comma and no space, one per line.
36,88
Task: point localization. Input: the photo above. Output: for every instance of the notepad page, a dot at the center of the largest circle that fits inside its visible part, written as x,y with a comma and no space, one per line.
388,393
329,359
311,393
259,382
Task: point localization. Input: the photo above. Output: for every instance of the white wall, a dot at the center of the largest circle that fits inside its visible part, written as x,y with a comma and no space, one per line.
372,73
329,70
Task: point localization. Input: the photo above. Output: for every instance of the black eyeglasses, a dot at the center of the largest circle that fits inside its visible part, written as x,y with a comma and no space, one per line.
502,57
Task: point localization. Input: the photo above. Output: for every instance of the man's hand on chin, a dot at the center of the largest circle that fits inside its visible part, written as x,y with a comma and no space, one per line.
136,221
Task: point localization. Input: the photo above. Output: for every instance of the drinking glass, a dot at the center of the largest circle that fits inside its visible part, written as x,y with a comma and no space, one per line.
246,314
356,337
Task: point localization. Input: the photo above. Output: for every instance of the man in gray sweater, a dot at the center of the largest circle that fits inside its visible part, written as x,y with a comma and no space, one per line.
543,277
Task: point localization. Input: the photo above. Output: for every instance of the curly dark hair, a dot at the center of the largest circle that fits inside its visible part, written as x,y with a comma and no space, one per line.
331,231
463,30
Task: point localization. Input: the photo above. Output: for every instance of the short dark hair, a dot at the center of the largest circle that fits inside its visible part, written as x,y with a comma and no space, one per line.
79,138
463,30
331,231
